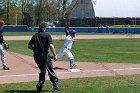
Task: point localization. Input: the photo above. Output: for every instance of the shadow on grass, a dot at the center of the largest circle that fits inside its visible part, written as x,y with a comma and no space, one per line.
26,91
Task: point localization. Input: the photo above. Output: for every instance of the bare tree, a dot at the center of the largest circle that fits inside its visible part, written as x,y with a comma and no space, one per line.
8,9
2,10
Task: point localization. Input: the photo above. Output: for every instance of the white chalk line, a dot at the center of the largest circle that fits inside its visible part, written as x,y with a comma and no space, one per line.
66,72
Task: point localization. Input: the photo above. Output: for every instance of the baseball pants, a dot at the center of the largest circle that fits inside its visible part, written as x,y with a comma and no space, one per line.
65,51
2,55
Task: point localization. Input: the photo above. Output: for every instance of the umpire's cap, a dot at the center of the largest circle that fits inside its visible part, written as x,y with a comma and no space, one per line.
1,23
42,25
72,31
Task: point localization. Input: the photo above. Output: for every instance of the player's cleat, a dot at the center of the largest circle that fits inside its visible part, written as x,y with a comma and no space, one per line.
73,66
6,68
39,87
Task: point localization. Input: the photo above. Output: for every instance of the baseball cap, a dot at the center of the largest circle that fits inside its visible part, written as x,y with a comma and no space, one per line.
42,25
1,23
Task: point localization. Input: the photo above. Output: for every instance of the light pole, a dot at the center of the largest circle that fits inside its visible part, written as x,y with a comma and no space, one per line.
135,21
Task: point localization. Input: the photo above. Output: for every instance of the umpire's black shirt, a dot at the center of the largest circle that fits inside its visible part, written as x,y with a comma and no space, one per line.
41,42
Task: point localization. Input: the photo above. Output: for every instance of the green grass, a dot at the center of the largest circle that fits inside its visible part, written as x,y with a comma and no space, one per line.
29,33
54,33
109,50
18,33
32,33
119,84
105,50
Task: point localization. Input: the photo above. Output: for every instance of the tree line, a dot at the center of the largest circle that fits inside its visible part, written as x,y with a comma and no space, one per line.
32,12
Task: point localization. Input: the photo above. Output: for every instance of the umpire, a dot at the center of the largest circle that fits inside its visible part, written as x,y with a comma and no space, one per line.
40,44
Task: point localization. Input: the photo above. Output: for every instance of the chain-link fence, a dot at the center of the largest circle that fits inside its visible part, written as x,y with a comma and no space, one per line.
96,22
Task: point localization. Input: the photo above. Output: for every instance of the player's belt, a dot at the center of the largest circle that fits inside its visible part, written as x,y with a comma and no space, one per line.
67,48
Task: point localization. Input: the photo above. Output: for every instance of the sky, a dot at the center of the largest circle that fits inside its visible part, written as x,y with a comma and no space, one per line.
117,8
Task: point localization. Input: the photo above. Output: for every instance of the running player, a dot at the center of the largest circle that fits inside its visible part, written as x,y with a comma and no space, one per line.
66,49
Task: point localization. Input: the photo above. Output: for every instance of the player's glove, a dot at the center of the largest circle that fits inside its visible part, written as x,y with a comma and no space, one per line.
6,46
53,58
67,27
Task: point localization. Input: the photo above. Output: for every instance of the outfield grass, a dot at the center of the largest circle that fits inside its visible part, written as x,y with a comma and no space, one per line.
54,33
32,33
18,33
103,50
119,84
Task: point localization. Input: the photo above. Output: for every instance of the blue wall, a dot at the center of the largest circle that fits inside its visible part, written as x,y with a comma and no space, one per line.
96,30
78,29
15,28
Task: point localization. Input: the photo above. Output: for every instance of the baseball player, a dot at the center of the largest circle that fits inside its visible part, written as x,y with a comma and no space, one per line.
5,67
40,43
66,49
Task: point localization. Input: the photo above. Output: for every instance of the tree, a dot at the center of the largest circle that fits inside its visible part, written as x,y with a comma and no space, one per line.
8,9
2,10
29,12
39,11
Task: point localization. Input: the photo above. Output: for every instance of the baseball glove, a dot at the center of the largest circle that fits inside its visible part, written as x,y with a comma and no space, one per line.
6,46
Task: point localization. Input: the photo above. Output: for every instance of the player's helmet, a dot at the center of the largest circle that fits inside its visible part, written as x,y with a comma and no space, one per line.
1,23
72,31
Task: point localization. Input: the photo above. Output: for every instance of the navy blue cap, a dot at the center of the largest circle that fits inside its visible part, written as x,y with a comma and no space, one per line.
42,25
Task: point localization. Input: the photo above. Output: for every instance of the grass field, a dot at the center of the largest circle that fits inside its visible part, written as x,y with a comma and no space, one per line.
32,33
107,50
52,33
120,84
115,50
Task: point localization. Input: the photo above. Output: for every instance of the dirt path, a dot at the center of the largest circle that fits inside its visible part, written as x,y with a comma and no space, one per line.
58,37
24,69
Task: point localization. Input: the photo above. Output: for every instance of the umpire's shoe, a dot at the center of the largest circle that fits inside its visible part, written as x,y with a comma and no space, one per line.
56,90
55,87
39,87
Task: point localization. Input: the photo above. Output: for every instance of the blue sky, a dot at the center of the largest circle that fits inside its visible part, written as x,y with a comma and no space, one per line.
117,8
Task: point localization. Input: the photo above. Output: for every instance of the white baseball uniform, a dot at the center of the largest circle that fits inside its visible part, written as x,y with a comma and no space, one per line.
65,50
2,55
1,48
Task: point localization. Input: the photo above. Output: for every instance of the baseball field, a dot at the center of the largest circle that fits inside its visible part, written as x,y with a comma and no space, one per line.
108,64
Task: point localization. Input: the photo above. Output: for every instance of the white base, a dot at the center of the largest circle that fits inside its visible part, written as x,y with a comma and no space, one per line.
74,70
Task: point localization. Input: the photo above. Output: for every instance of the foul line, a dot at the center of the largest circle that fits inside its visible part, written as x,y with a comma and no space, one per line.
66,72
126,69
